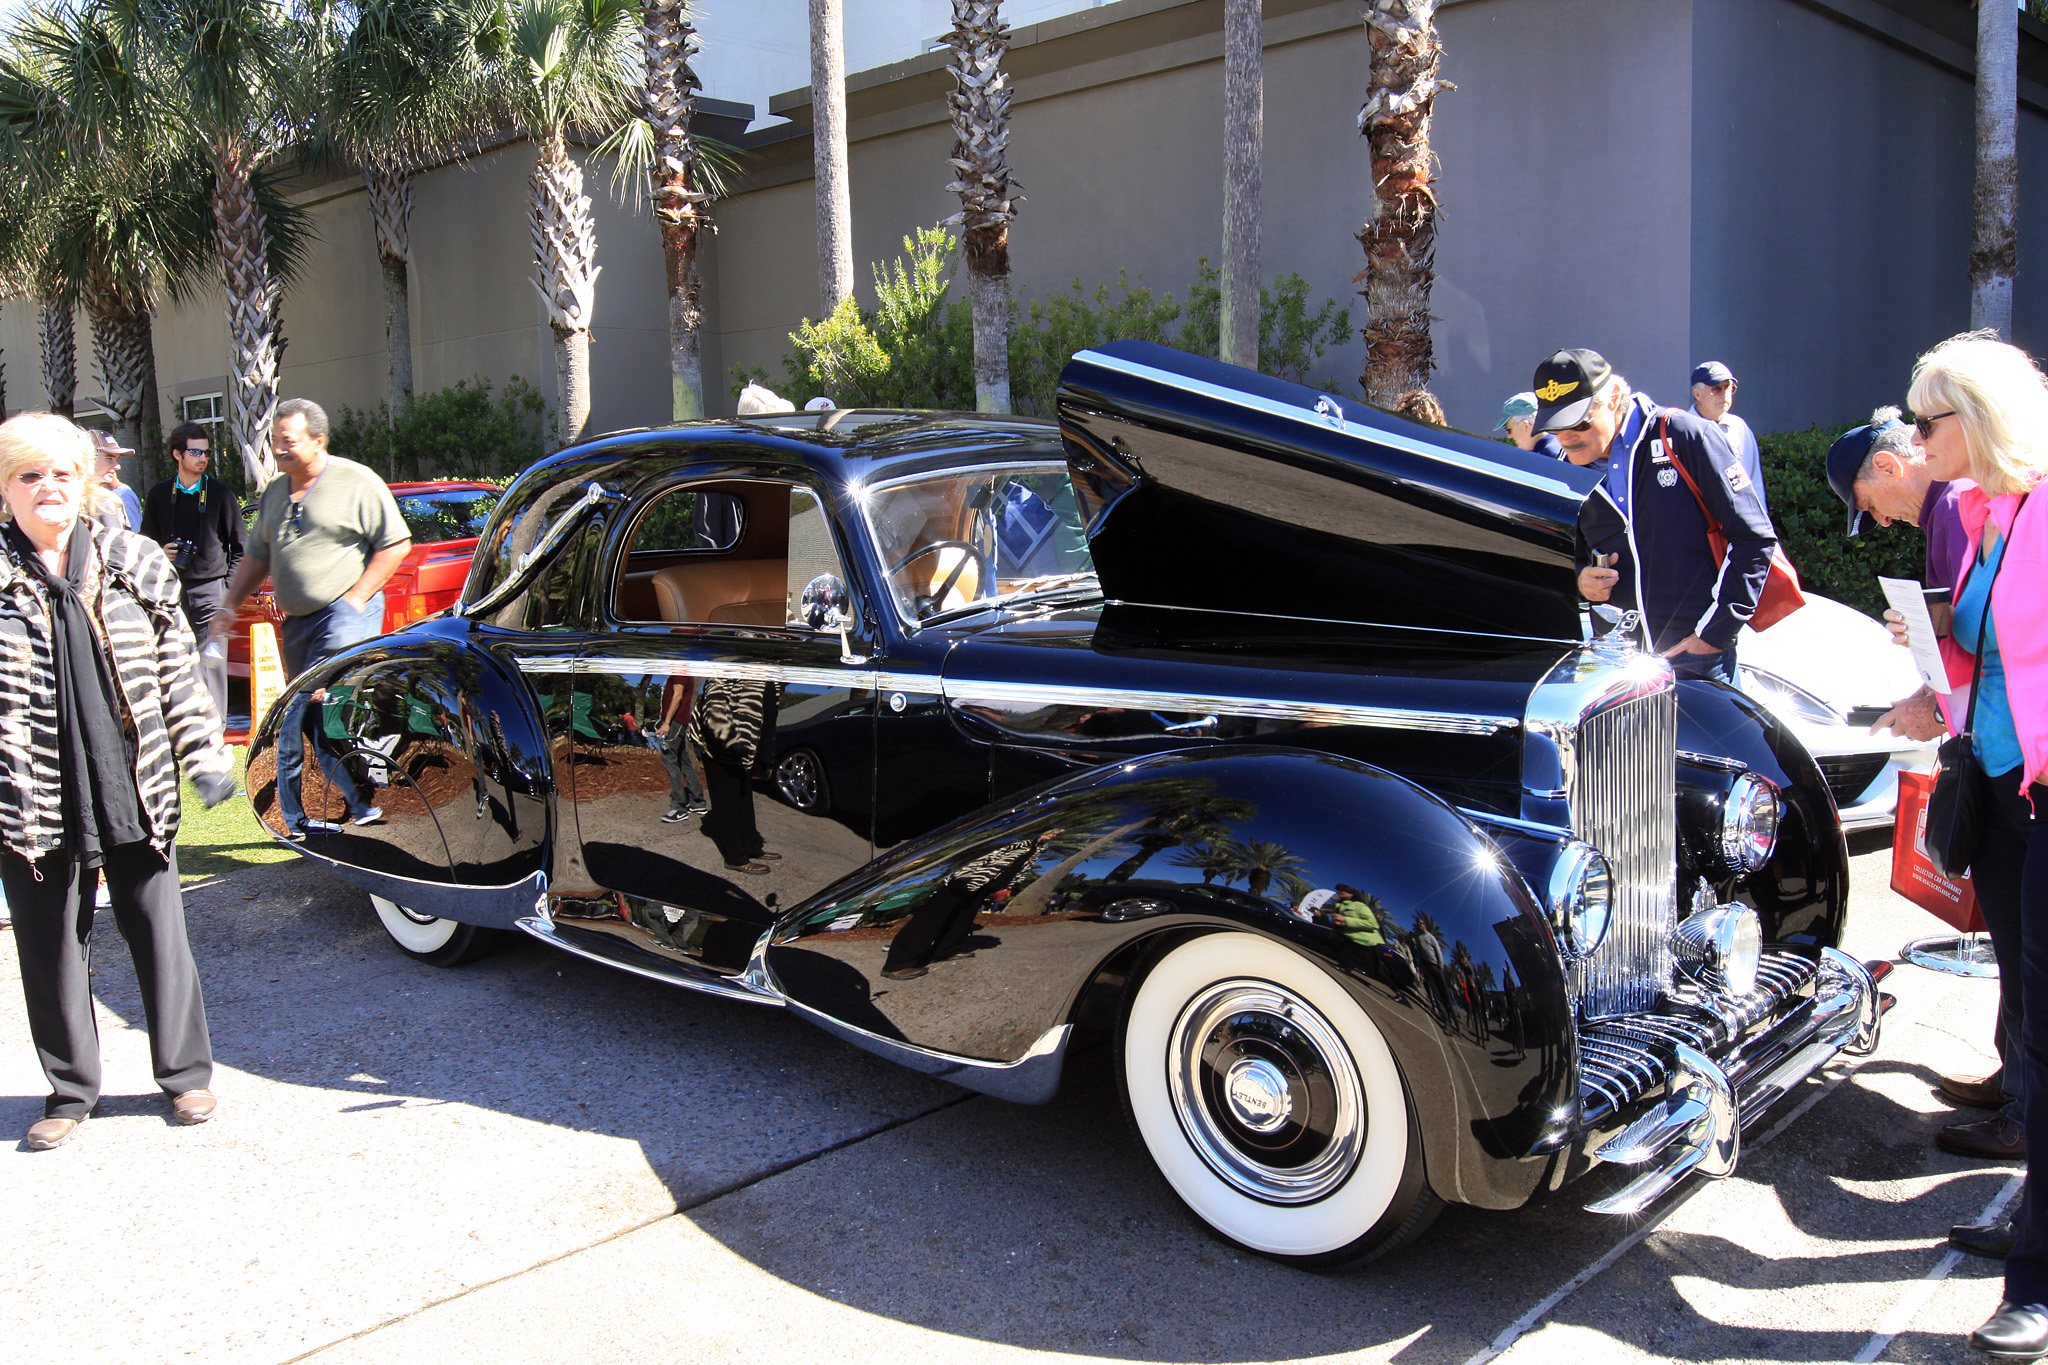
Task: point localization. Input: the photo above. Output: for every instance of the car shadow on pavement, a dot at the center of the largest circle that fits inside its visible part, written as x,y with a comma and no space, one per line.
490,1118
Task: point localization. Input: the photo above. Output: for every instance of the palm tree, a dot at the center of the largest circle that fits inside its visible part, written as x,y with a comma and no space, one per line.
1400,237
57,329
234,78
1258,861
557,67
981,134
681,189
1994,243
1244,118
828,155
404,91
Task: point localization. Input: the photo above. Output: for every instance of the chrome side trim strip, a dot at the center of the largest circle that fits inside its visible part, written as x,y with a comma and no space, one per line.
800,675
1381,717
679,974
1316,417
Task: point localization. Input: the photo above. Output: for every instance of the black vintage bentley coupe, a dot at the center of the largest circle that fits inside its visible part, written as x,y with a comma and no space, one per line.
1262,731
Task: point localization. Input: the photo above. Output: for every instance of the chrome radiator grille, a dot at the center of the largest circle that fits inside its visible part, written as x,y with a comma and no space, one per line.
1624,803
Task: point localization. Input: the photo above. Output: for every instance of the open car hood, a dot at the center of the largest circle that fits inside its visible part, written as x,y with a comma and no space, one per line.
1211,487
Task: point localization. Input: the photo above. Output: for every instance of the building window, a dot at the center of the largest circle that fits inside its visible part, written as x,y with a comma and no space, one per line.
207,409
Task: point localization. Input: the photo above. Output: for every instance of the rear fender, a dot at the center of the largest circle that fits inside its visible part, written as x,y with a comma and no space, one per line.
1441,942
435,734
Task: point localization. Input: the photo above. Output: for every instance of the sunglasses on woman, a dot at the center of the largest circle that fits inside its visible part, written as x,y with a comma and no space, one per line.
29,478
1925,425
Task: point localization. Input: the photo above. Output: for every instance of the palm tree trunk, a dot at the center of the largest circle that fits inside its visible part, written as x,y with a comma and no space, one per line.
565,261
668,40
1400,237
121,354
150,447
240,238
828,154
1994,244
1244,120
59,329
980,102
390,188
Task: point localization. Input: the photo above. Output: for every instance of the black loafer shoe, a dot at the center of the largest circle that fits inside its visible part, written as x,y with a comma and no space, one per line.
1992,1240
2017,1331
1997,1138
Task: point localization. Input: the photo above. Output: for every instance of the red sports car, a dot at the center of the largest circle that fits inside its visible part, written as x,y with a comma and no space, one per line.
445,517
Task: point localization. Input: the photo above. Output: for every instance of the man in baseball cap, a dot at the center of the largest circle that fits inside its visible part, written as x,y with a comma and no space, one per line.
1713,397
1666,471
118,505
1516,416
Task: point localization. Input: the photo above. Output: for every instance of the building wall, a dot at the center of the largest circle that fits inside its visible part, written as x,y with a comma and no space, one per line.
1832,175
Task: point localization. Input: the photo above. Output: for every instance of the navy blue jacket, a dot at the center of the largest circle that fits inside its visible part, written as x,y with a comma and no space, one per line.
1667,565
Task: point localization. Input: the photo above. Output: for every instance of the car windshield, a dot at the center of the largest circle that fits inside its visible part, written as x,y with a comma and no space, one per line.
438,514
974,537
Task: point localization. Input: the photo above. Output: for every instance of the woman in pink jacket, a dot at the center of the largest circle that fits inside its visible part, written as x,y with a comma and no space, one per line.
1983,416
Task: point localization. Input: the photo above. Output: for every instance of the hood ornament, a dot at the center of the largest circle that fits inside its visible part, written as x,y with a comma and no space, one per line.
1328,409
1616,630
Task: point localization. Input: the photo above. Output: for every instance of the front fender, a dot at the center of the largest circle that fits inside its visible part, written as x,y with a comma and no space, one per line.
434,733
1802,894
1442,946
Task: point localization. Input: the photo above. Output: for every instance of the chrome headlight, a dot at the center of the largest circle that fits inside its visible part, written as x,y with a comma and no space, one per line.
1725,939
1581,896
1749,823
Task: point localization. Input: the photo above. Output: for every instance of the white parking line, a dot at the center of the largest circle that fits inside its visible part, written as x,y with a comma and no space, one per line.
1544,1306
1900,1315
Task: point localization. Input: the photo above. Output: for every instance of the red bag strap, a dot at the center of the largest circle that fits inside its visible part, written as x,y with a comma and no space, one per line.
1664,434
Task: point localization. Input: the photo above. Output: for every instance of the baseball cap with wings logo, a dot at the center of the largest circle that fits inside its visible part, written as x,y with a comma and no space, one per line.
1565,387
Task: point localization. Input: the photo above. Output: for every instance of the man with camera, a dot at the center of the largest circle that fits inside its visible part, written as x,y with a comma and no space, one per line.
198,521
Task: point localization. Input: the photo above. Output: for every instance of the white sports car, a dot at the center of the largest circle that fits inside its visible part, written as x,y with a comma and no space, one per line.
1822,667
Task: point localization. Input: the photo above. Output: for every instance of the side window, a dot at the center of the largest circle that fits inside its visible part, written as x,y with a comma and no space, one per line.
741,553
816,580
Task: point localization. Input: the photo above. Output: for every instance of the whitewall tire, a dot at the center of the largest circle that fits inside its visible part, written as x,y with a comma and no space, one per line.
440,942
1271,1103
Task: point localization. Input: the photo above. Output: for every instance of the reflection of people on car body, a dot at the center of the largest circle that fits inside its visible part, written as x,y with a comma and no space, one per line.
944,919
685,789
328,534
728,726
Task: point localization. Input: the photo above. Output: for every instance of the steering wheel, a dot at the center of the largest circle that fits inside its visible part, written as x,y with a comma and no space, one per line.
934,599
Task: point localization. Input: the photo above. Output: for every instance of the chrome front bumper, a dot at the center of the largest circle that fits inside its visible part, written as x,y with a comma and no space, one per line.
1720,1063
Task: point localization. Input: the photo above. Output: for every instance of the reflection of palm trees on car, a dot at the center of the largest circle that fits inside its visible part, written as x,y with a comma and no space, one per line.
1193,815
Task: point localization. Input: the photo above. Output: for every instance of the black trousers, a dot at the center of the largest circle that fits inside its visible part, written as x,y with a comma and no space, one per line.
938,927
1997,875
2018,840
53,937
730,821
202,602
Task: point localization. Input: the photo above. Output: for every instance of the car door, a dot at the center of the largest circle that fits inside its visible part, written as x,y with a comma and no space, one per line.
723,754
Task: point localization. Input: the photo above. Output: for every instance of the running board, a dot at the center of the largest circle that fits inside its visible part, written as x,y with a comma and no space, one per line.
750,985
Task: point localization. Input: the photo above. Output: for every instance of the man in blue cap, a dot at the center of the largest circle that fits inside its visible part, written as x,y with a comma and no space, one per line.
1880,473
1516,416
1667,471
1713,397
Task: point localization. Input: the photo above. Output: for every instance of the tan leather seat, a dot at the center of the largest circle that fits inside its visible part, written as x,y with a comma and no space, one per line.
730,592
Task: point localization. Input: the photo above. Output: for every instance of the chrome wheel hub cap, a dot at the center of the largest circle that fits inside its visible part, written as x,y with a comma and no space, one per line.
1266,1092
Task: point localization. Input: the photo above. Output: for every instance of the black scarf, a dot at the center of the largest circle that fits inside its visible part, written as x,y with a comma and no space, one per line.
103,814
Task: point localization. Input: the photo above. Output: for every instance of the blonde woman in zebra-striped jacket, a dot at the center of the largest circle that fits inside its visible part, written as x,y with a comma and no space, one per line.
100,704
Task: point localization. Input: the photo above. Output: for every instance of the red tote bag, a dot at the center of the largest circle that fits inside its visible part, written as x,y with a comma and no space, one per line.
1954,903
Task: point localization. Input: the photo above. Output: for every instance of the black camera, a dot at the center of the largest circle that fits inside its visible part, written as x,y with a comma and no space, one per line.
178,552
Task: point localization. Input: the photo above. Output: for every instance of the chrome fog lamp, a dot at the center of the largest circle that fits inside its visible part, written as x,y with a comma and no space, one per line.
1749,823
1726,940
1581,896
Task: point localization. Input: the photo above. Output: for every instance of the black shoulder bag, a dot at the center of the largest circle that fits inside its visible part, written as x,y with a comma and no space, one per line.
1959,807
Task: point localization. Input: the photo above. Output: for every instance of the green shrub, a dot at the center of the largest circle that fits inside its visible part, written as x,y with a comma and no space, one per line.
915,349
460,432
1809,518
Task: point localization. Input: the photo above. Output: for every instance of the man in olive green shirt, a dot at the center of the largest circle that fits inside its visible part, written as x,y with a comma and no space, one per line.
328,535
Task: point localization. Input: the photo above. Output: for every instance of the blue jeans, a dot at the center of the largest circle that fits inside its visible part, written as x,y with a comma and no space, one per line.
1718,667
304,642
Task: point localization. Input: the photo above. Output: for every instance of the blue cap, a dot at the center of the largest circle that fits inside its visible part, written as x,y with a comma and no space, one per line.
1521,405
1845,461
1712,373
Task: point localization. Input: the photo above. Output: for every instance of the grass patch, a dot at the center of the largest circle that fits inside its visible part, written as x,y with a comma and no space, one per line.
225,838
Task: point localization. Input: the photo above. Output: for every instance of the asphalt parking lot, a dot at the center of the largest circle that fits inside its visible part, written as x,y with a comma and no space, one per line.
535,1158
